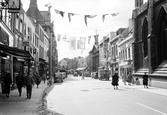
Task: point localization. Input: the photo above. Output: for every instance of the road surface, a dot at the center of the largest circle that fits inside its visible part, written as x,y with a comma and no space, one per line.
94,97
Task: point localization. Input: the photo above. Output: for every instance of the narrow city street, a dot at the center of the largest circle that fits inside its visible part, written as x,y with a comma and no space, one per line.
94,97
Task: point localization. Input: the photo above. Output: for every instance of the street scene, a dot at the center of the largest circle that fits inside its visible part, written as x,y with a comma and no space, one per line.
83,57
76,96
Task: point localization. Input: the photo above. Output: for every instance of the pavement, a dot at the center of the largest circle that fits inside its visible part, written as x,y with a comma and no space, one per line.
37,105
155,90
15,105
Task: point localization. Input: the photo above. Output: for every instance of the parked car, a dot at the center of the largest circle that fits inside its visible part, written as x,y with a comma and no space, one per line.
103,74
64,75
75,74
58,77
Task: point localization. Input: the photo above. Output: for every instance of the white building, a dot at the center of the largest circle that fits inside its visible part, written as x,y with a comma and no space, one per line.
125,50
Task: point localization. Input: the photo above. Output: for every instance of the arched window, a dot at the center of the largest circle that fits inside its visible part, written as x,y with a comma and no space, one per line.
162,36
144,37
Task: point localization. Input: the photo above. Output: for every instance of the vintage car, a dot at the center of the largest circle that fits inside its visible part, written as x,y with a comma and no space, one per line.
75,74
58,77
103,74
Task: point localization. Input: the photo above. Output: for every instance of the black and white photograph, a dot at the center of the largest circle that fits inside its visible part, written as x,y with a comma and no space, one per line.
83,57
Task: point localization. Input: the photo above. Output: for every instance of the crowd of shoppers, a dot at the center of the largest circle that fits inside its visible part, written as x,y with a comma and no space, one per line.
26,80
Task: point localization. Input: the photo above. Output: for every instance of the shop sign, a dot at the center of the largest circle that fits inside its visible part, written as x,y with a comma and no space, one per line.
25,43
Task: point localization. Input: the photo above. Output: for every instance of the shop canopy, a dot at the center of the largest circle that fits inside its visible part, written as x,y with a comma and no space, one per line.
19,53
127,66
81,69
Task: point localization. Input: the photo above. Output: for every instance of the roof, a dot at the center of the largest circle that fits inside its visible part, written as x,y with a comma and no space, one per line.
34,12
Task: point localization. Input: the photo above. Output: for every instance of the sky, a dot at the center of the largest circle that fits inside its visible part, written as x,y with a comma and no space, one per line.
77,25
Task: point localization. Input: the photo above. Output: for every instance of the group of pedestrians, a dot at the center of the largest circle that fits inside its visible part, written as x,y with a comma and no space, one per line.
115,80
22,80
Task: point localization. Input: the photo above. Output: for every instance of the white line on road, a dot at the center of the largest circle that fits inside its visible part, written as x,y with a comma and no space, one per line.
151,108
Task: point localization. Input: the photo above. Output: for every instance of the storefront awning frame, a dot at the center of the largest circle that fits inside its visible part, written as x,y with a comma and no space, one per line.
16,52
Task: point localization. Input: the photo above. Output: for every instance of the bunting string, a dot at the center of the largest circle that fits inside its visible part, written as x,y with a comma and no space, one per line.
62,13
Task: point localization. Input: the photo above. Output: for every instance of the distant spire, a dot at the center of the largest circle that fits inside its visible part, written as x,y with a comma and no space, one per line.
49,6
33,3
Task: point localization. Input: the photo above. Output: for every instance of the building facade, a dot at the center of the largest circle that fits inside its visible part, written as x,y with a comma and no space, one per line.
13,56
114,59
43,21
150,39
125,51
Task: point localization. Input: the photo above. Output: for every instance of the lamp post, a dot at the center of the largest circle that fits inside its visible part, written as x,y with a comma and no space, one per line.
50,56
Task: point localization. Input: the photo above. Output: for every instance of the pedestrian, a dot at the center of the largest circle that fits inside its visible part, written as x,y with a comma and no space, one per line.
2,76
124,79
137,81
145,80
19,82
29,82
44,78
130,78
37,79
7,83
115,79
83,77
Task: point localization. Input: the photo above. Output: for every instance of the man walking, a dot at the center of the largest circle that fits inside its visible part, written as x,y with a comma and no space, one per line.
29,82
19,82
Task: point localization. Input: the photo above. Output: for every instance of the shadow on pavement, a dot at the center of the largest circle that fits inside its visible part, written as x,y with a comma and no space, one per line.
85,90
58,114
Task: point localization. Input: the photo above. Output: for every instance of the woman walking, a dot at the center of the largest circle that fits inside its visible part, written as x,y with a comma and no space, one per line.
115,79
145,80
37,79
7,83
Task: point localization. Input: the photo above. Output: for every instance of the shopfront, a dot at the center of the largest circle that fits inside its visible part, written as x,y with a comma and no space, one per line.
13,60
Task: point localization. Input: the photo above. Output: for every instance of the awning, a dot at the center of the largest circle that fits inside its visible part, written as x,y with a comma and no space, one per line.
83,68
16,52
101,67
126,66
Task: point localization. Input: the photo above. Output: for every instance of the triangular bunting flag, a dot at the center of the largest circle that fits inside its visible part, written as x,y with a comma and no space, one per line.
69,16
60,12
104,17
114,14
88,16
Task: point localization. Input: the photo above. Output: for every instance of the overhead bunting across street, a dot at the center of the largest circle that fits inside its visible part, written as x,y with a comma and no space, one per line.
62,13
